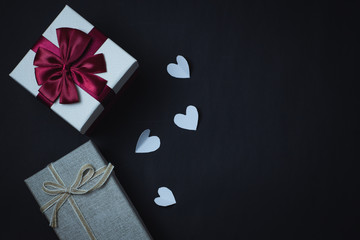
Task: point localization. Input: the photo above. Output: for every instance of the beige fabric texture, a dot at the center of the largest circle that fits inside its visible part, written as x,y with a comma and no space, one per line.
107,210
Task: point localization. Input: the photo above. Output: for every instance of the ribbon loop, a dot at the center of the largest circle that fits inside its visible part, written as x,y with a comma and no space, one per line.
86,174
59,71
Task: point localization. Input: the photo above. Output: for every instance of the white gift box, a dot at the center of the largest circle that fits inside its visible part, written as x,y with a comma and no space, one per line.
120,67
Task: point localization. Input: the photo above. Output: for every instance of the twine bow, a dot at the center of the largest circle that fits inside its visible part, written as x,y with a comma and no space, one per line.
63,193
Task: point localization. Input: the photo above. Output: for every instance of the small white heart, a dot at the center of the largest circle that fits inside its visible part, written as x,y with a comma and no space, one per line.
166,197
146,144
188,121
179,70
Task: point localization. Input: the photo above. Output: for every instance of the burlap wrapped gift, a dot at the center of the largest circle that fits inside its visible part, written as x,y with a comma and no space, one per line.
93,204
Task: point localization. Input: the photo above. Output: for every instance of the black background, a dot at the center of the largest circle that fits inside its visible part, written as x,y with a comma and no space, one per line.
276,152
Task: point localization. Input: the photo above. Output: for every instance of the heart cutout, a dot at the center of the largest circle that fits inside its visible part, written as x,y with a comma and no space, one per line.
179,70
146,144
166,197
188,121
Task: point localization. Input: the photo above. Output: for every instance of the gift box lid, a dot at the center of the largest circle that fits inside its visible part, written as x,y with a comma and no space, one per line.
106,210
120,66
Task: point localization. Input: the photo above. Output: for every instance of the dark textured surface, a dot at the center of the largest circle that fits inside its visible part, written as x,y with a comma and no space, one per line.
277,149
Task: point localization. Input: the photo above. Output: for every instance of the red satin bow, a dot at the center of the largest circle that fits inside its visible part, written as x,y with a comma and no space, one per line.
58,73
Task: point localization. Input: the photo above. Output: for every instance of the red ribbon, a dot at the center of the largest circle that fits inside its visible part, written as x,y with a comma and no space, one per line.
74,62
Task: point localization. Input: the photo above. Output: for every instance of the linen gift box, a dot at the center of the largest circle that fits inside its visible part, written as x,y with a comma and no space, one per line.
74,69
81,197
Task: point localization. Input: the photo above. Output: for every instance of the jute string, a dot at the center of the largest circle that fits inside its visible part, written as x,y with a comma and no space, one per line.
63,193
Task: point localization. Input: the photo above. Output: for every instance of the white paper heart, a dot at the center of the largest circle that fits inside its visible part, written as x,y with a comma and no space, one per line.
146,144
166,197
179,70
188,121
